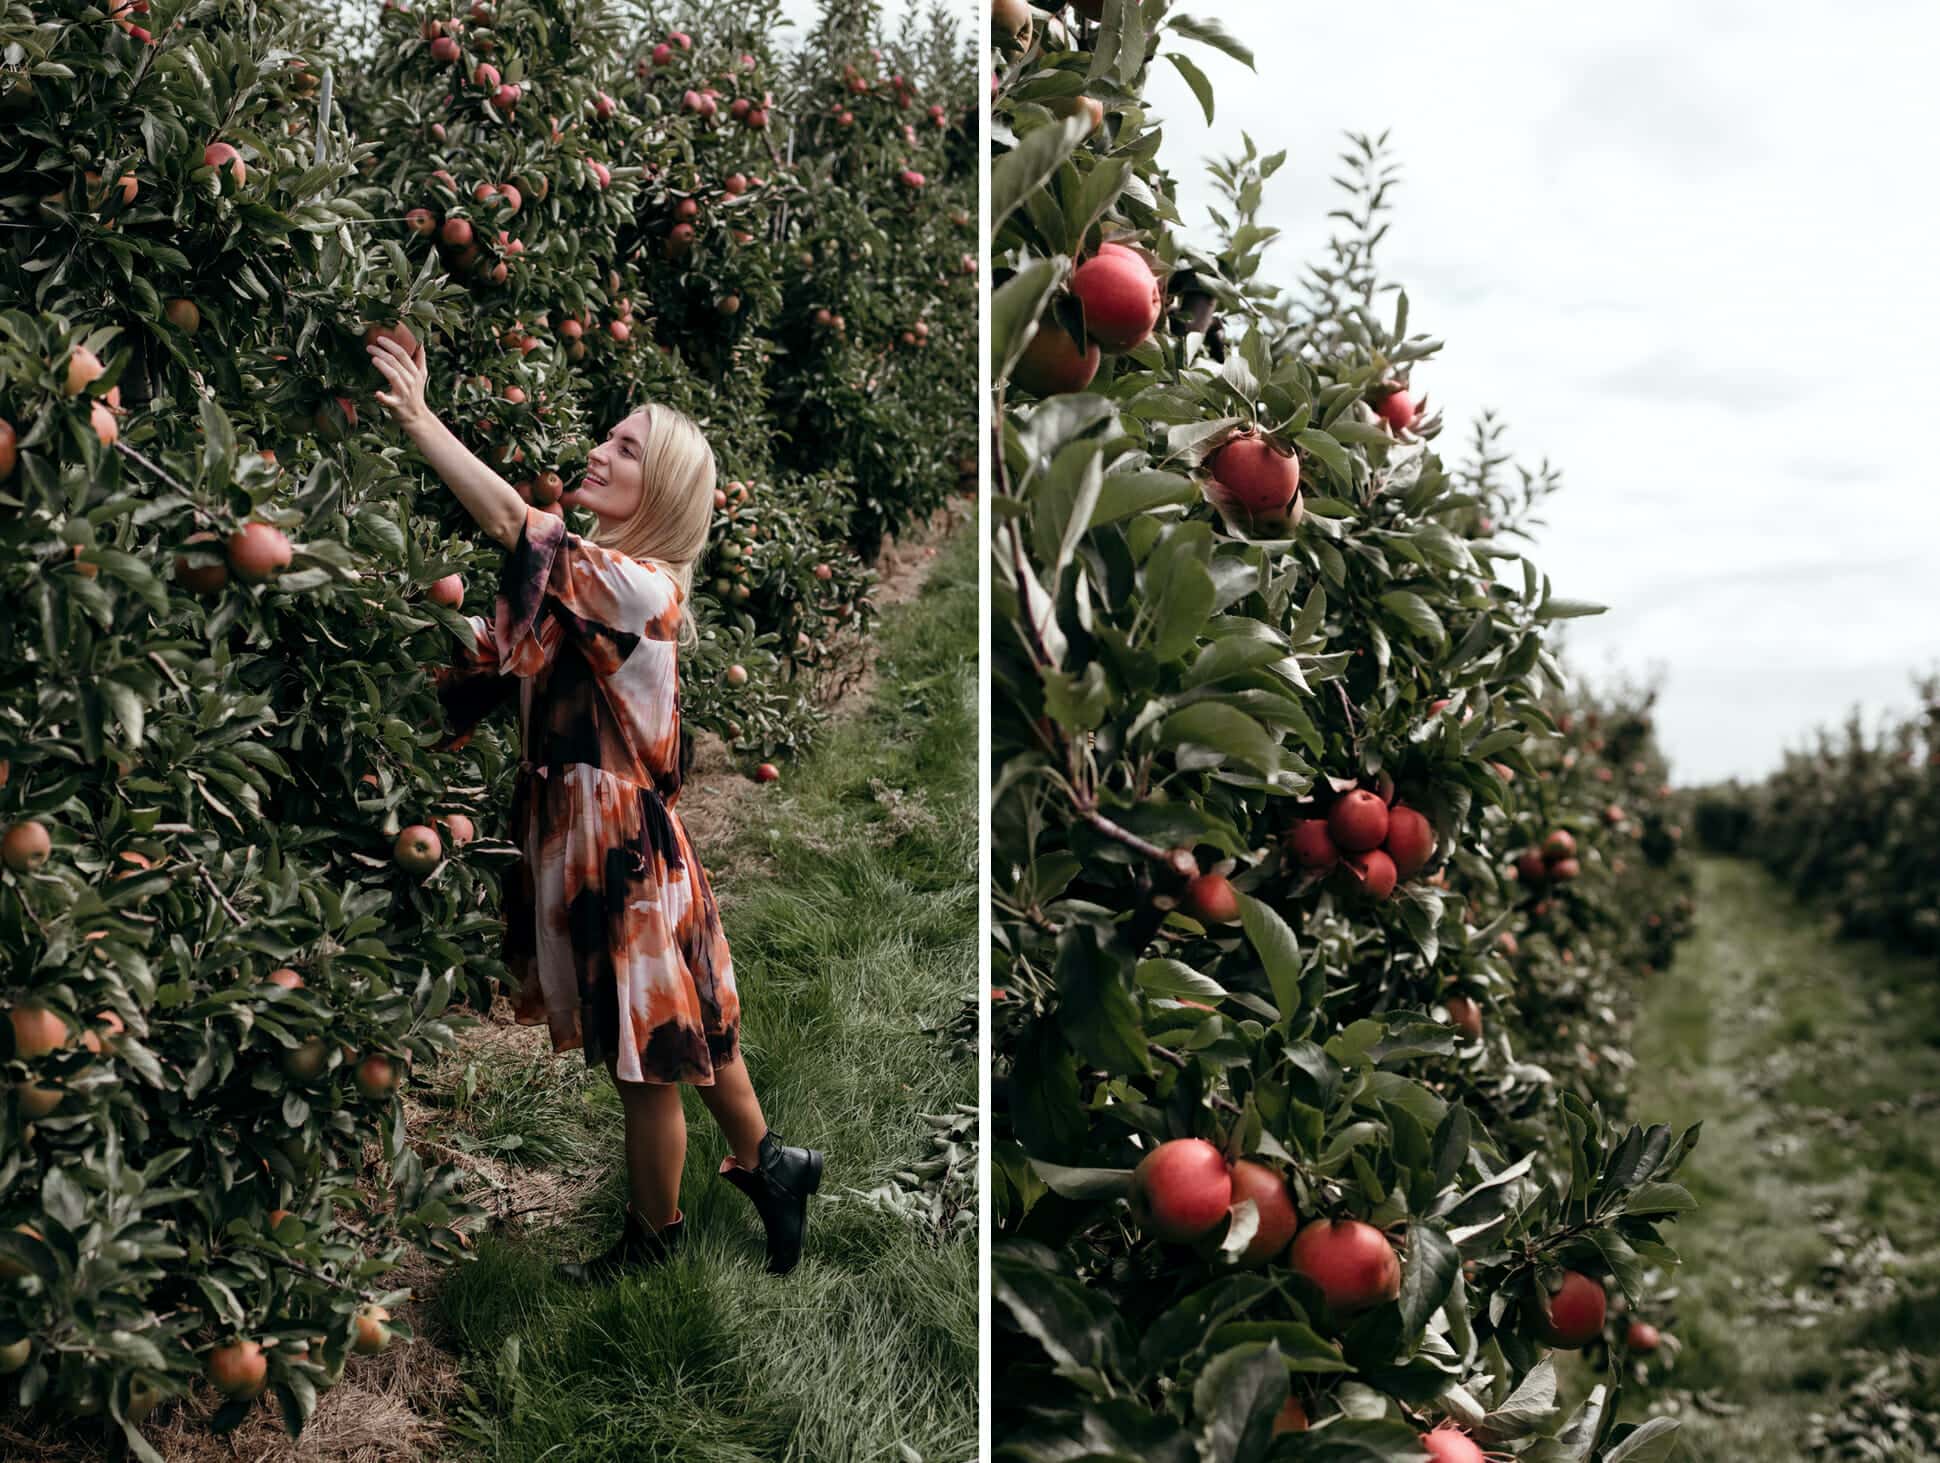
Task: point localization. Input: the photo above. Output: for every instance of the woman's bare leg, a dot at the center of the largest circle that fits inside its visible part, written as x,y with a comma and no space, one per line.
656,1148
737,1111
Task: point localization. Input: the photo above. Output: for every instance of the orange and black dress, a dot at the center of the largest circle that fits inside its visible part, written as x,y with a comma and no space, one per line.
612,936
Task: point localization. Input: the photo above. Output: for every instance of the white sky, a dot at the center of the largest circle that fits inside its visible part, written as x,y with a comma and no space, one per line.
1687,252
805,13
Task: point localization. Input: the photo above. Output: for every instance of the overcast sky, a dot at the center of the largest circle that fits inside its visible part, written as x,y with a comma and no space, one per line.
805,12
1687,252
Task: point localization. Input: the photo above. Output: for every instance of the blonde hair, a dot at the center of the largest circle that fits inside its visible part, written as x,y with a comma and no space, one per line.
676,510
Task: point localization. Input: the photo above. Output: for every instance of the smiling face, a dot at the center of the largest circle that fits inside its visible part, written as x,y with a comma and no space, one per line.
615,474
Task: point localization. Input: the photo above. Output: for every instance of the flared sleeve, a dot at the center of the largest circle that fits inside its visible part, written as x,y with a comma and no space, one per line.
556,585
553,586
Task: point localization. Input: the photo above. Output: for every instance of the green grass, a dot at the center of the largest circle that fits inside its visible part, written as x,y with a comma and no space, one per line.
850,902
1813,1065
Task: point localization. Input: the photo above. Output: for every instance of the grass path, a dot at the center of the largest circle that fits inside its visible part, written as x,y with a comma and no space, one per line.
849,896
1810,1294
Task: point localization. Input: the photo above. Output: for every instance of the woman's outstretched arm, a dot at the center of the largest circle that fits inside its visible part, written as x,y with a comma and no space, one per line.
489,498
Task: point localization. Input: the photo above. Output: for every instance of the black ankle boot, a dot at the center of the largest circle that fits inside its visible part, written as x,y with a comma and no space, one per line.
780,1187
637,1248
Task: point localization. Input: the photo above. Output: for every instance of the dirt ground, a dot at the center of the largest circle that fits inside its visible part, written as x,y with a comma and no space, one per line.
389,1407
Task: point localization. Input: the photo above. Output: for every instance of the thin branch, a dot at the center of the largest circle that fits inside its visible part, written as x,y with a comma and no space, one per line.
1166,1054
216,889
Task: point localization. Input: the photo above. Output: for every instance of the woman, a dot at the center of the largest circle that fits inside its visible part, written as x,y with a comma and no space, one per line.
612,934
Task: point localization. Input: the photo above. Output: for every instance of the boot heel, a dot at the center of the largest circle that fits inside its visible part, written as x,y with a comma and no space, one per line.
814,1170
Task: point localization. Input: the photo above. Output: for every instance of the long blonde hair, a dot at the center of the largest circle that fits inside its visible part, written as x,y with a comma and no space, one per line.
676,510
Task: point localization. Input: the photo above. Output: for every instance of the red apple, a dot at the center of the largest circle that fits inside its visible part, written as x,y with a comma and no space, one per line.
1410,841
1121,297
1268,1191
1312,845
1351,1262
1358,821
1181,1189
1573,1313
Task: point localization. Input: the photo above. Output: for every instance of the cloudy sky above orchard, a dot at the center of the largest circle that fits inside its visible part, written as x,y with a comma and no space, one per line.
1686,253
806,12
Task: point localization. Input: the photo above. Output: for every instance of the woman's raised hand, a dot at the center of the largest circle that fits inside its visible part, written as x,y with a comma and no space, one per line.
405,371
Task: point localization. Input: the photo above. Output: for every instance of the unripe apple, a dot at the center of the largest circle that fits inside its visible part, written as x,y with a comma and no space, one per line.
1573,1312
1181,1190
1351,1262
26,846
737,675
239,1369
1268,1191
370,1334
417,850
306,1061
376,1076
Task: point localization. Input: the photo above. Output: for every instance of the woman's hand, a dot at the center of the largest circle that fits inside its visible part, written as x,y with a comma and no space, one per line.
405,371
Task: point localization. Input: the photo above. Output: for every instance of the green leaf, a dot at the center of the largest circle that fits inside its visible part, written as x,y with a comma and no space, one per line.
1278,947
1084,1183
1433,1262
1413,611
1030,165
1015,308
1127,493
1236,1397
1212,33
1652,1442
1225,730
1196,79
1568,609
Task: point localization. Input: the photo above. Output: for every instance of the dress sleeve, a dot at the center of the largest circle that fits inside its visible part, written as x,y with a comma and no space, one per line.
556,586
471,686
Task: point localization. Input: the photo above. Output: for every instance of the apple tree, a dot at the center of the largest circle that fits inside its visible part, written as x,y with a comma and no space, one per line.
1273,700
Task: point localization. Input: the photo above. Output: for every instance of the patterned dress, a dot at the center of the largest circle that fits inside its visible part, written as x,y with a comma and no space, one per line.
612,936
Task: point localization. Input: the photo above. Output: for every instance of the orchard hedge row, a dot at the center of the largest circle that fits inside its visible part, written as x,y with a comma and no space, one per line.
242,892
1847,821
1320,898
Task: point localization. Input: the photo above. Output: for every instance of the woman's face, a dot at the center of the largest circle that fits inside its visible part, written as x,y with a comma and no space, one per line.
615,473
